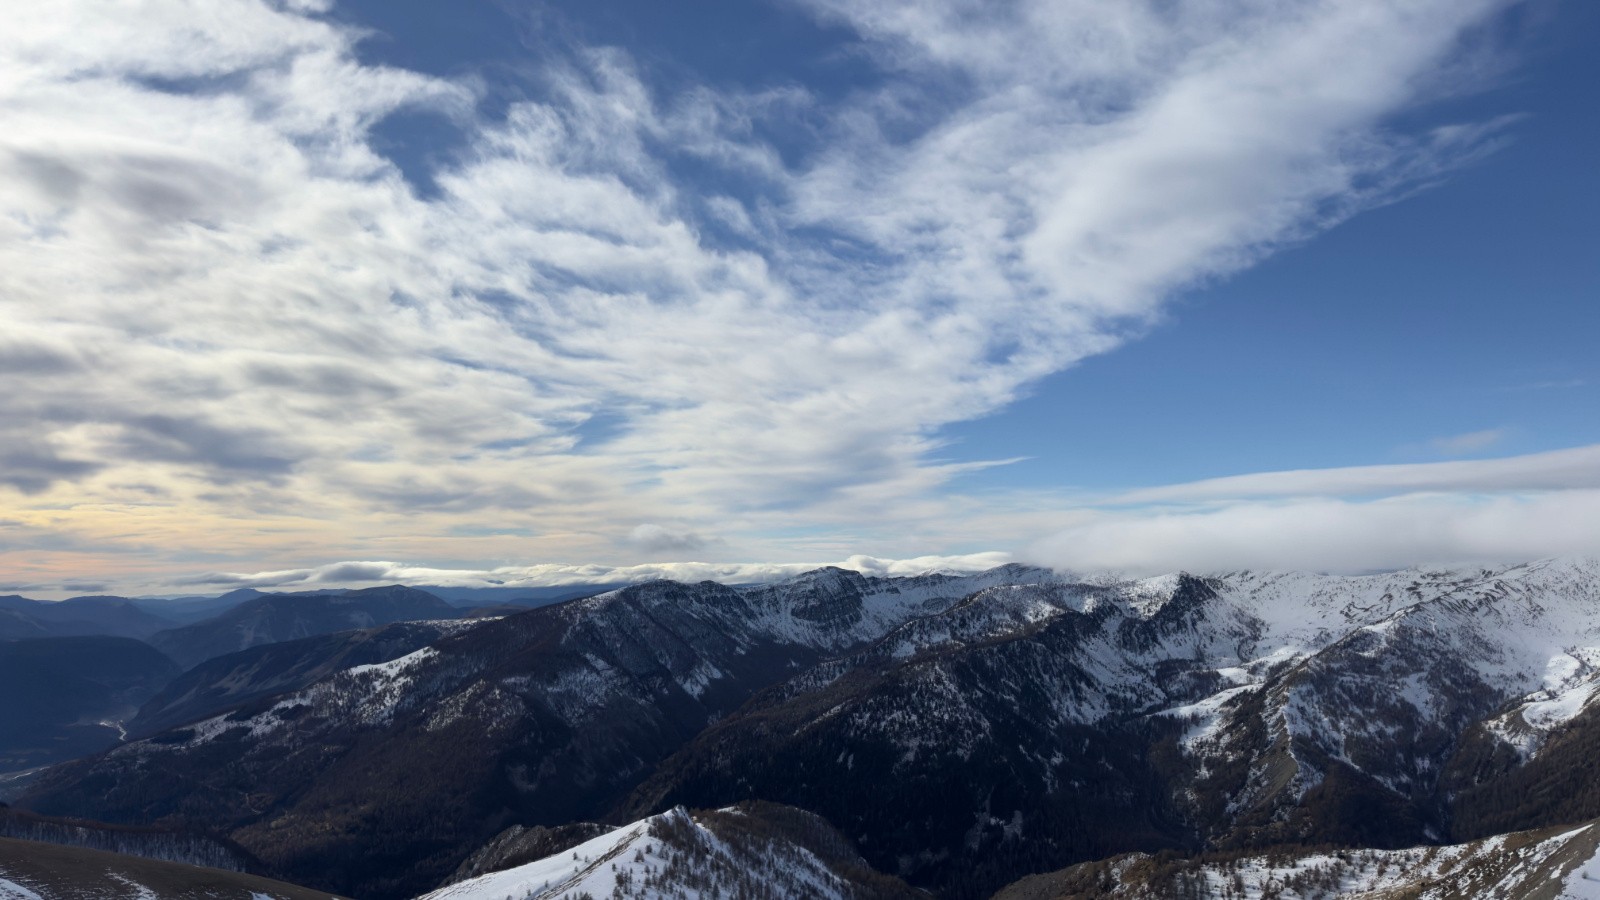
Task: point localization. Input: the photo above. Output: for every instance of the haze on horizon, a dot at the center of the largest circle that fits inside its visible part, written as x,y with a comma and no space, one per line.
322,292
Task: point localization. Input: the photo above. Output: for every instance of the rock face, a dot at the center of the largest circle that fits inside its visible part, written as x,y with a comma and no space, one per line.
961,732
285,617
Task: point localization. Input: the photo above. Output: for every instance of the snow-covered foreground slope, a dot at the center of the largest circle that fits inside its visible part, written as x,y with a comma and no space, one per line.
753,852
1555,864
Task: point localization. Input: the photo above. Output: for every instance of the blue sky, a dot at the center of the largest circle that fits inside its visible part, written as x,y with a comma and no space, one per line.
1469,308
545,292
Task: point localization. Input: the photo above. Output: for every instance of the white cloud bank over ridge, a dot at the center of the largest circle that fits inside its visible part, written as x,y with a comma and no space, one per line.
344,574
1331,534
225,308
1350,519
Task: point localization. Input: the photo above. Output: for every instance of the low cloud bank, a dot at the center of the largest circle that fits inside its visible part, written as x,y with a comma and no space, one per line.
360,574
1346,519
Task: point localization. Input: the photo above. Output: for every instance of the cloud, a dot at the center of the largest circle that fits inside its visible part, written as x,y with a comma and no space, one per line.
652,538
1347,519
242,580
1471,442
1331,534
215,284
1575,468
355,574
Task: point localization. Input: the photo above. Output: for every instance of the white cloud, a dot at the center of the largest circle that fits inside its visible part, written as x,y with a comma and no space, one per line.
1575,468
1346,519
1331,534
1471,442
653,538
232,325
358,574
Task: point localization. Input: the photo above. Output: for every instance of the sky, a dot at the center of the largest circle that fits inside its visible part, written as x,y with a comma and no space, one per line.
339,292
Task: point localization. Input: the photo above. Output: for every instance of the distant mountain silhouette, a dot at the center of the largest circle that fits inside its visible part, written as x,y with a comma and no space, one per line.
272,618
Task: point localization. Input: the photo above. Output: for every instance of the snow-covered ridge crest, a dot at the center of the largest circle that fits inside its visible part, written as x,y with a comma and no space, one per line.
706,855
367,694
826,609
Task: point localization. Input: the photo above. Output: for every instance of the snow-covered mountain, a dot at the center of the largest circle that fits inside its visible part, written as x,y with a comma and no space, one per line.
756,851
1556,864
224,683
1374,704
960,731
1060,721
541,718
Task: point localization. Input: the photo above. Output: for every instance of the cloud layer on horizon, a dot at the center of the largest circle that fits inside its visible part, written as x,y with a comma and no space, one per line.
1345,520
1351,519
363,573
235,331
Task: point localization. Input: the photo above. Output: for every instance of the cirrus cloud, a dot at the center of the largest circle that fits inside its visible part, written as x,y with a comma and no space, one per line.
233,324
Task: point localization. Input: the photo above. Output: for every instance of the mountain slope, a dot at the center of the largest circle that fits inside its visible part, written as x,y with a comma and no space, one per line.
1004,734
540,718
1550,864
1031,726
235,679
189,610
285,617
150,843
21,618
1348,741
961,731
35,871
519,845
67,697
756,851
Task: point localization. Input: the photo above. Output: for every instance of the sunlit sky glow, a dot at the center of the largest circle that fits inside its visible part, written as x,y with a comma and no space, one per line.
305,292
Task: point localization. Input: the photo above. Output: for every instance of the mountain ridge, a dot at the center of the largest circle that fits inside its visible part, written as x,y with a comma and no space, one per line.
961,730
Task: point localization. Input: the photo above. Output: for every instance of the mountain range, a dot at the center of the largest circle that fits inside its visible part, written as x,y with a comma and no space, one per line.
273,618
22,618
954,732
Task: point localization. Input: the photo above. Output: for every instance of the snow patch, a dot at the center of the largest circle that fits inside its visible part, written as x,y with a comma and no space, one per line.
669,855
1571,683
10,890
1584,881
